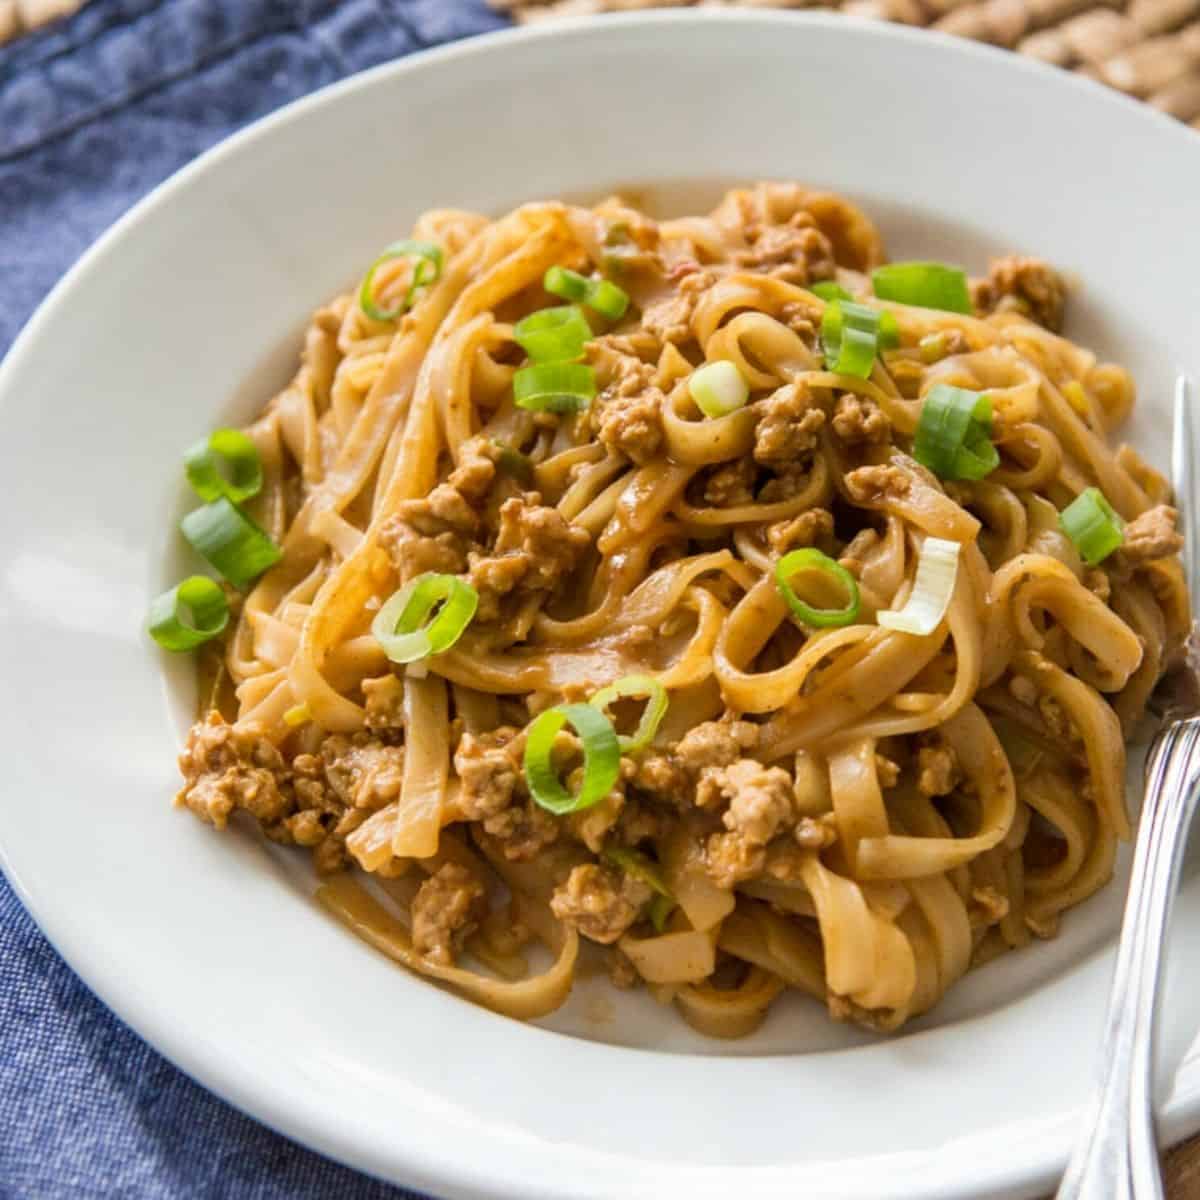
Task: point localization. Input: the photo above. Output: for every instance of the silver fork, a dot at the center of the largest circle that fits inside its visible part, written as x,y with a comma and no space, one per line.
1116,1154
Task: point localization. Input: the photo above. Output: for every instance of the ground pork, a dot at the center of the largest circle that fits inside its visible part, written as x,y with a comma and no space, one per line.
937,770
446,910
730,485
490,770
761,802
534,548
812,528
796,252
857,420
887,771
227,767
670,319
628,418
600,902
1025,285
362,771
1148,537
317,801
788,427
715,744
436,532
522,831
871,485
384,702
761,799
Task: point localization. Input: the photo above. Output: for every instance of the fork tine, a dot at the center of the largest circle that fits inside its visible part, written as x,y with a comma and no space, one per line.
1184,450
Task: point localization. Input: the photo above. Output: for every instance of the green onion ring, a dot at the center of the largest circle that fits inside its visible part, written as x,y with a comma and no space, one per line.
600,295
601,758
427,270
190,614
554,387
1093,526
640,687
924,285
400,625
808,559
232,450
221,533
553,334
828,290
953,436
640,866
660,909
853,334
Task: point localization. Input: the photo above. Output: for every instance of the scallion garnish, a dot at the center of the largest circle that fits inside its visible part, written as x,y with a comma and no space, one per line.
223,534
923,284
953,437
828,290
513,463
937,570
560,387
402,626
553,334
600,295
808,559
853,335
718,388
1092,525
601,758
226,463
189,615
607,299
639,687
660,909
426,270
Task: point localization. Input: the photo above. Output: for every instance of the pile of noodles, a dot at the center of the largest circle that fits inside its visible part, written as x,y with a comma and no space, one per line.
882,923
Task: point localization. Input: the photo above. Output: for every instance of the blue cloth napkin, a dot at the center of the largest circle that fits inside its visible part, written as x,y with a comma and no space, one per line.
93,114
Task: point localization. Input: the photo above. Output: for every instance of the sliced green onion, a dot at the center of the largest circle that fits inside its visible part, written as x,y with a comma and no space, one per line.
570,285
223,534
718,388
808,559
599,294
637,686
190,614
1092,525
427,270
923,284
607,299
225,463
513,462
553,334
661,907
402,626
853,334
640,866
554,387
601,758
953,437
937,569
828,290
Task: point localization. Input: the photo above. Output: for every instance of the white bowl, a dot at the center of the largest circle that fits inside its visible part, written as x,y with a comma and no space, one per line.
187,314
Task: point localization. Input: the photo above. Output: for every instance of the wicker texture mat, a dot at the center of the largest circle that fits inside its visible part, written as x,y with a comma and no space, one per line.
1146,48
22,16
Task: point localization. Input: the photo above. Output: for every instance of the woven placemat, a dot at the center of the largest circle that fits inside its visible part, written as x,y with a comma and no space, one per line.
1146,48
23,16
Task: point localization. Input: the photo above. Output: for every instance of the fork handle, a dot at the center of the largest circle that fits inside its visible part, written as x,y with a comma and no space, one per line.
1116,1154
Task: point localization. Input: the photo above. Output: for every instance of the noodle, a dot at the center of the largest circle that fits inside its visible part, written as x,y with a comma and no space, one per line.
853,810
